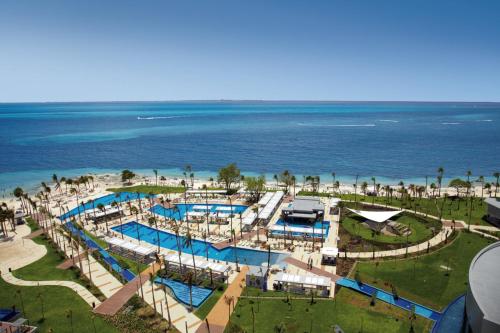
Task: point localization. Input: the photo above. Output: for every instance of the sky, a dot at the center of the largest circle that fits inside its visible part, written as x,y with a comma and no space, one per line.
264,50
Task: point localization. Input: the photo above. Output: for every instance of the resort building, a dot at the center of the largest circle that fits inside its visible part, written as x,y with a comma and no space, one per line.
108,213
482,302
493,212
304,208
329,255
257,277
302,284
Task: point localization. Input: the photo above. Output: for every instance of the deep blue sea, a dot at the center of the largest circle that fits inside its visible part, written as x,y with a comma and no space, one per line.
392,141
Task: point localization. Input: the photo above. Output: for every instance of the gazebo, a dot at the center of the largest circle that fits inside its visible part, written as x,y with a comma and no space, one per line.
376,220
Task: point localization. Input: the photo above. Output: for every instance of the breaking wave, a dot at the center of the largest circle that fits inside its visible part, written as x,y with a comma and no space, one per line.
159,117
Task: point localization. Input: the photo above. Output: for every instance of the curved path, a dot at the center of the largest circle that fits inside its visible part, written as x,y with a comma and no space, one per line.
20,252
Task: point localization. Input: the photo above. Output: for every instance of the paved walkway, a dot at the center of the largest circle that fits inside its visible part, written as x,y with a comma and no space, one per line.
218,317
21,252
246,236
113,304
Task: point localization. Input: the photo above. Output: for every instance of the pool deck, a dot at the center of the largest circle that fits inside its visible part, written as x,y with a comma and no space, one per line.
246,236
315,270
218,317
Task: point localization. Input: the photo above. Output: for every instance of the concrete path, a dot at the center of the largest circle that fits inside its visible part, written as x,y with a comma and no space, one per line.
21,252
218,317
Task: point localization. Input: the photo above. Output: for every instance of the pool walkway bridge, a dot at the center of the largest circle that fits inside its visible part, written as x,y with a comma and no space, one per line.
246,236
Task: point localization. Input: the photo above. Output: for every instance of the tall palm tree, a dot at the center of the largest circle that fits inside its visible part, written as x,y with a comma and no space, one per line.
205,187
440,171
468,174
188,242
156,176
175,229
102,208
333,182
355,192
275,177
497,176
115,204
481,180
152,281
374,191
189,278
204,236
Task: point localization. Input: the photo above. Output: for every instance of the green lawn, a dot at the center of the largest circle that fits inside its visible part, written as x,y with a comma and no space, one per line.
425,279
453,209
420,229
56,300
45,268
350,310
207,306
149,189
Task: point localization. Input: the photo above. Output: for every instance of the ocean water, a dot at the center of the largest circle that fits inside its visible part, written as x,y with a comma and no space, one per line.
391,141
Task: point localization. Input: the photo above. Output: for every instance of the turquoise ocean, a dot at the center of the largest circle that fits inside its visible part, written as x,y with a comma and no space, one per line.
391,141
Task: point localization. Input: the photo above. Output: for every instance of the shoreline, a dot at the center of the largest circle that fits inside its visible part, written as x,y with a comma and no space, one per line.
110,178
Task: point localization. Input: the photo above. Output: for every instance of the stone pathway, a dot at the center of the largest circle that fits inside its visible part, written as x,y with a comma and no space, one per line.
218,317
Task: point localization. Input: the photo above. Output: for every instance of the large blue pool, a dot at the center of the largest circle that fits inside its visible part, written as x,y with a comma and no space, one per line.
183,208
167,240
105,200
181,291
317,227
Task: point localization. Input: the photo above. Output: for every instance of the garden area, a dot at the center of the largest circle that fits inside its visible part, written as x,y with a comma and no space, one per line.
356,236
351,311
434,279
452,208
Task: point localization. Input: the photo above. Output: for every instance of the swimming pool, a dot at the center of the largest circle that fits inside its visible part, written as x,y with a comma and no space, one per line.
181,291
168,241
317,228
183,208
105,200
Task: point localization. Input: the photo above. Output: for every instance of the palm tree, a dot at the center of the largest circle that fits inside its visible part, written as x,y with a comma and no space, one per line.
151,280
481,180
189,278
102,208
294,182
175,229
440,179
497,176
333,182
228,300
117,205
188,242
468,174
205,187
364,187
204,236
275,177
374,191
156,176
355,191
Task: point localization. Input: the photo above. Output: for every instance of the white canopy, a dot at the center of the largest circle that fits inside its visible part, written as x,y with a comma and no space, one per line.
187,260
129,246
196,214
108,211
249,219
265,199
376,216
270,207
225,208
311,280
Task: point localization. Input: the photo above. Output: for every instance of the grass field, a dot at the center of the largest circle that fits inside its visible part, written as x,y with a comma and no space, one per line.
452,209
149,189
56,302
426,279
420,229
350,310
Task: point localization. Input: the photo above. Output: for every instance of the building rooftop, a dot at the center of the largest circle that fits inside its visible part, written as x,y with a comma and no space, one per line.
305,207
483,280
493,201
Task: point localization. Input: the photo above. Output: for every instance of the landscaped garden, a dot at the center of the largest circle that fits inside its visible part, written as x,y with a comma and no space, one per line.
355,235
452,208
433,279
350,310
52,307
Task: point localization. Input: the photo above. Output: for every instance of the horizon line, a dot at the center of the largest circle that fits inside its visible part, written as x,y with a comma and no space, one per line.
223,100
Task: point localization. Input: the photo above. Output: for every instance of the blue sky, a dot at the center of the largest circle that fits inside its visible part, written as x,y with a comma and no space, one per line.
276,50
